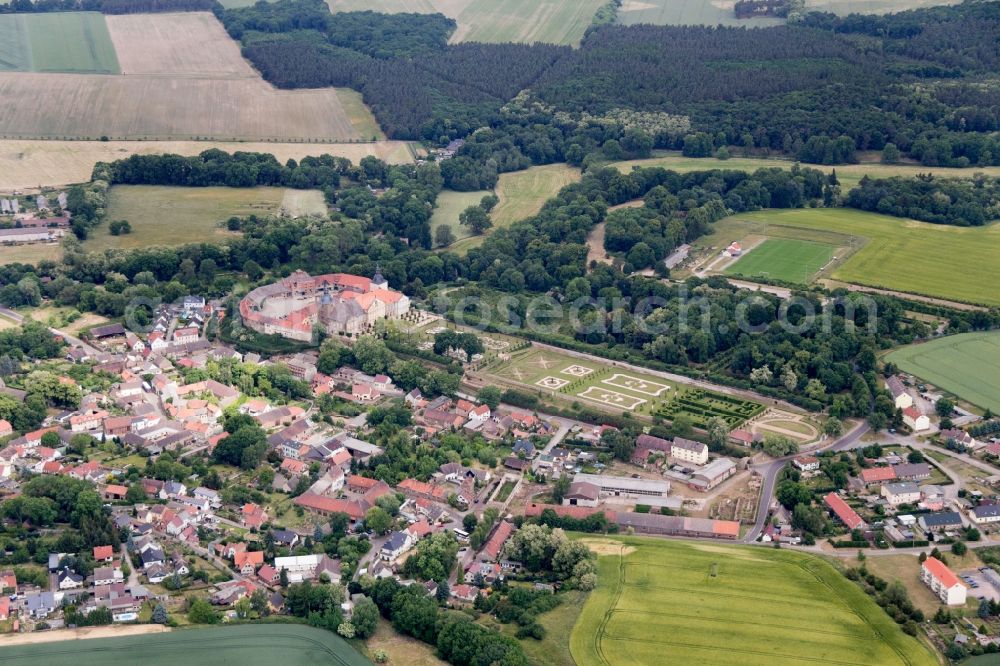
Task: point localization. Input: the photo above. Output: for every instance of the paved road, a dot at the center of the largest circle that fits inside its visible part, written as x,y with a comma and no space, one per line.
74,341
769,473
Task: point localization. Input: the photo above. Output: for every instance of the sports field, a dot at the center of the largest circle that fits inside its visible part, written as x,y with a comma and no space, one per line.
182,77
162,215
522,194
967,365
496,21
849,175
29,163
286,644
56,42
783,259
892,253
669,602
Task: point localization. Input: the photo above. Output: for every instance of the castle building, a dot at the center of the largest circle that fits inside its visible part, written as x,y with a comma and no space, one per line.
339,303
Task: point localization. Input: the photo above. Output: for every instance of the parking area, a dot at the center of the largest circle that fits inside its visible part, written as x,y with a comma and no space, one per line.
983,583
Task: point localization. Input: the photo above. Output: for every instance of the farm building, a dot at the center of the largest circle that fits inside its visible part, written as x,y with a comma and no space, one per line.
582,493
943,581
900,396
712,474
937,522
874,475
916,420
846,514
30,235
621,486
985,513
912,471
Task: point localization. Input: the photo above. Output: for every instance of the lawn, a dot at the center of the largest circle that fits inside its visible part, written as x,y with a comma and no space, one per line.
522,194
400,648
287,644
890,252
967,365
30,254
162,215
784,259
450,205
70,42
660,601
849,175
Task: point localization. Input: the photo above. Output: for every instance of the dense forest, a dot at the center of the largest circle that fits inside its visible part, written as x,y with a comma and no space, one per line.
910,80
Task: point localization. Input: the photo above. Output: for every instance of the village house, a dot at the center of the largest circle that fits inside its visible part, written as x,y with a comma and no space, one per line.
688,450
916,420
900,397
985,514
806,463
939,522
905,492
873,475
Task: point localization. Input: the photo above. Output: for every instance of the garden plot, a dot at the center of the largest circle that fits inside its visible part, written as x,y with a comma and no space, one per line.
636,384
611,398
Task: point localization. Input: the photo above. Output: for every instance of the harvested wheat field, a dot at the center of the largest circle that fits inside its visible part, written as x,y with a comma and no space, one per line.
182,78
26,164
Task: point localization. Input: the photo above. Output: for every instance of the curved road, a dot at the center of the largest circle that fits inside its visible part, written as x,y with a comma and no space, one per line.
769,473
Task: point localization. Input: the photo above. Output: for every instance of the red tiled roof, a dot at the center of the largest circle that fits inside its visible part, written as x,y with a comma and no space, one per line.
499,538
846,514
874,474
103,552
941,572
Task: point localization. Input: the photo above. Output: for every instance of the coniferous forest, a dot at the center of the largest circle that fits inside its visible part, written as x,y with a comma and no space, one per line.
911,79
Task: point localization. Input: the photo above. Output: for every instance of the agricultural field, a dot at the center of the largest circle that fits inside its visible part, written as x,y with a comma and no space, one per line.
182,78
720,12
162,215
687,12
967,365
56,42
604,386
495,21
450,205
784,259
849,175
288,644
661,601
28,164
522,194
887,252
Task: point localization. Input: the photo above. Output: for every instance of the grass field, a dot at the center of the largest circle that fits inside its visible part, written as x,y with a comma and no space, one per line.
287,644
30,254
522,194
893,253
56,42
298,203
527,21
450,205
784,259
31,163
172,216
182,77
848,174
967,365
660,601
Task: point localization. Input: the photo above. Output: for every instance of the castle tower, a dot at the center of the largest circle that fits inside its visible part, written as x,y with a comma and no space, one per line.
378,280
325,313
